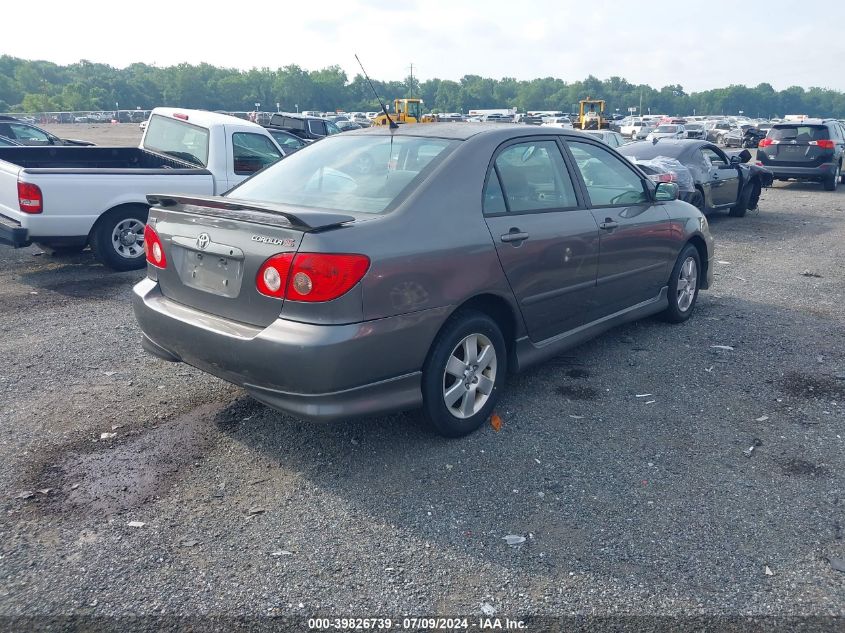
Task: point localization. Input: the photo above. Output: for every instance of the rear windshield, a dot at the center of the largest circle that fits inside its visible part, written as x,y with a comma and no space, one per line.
667,128
177,138
798,133
346,173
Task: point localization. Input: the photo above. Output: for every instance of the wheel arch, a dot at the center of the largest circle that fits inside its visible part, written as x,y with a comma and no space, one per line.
502,311
118,207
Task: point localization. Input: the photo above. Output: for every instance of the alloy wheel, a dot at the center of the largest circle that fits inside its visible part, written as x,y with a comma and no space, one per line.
469,376
687,284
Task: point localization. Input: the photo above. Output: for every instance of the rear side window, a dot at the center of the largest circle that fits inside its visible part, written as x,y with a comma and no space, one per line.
799,133
533,177
317,127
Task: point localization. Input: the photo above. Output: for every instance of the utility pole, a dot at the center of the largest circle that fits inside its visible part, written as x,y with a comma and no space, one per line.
412,78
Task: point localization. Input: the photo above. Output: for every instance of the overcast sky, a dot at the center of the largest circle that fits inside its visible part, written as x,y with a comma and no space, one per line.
699,45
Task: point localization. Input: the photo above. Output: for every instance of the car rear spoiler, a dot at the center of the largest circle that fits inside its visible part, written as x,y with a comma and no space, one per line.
250,211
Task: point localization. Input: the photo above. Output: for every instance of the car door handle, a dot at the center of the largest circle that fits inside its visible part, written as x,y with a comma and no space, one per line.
515,235
608,224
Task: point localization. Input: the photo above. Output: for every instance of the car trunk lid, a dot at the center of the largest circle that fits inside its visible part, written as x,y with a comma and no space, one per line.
216,246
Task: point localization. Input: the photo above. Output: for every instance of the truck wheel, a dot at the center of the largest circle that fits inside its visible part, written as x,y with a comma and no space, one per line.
118,238
463,373
738,210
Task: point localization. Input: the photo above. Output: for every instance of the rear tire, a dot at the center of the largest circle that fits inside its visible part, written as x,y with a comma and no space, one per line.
118,238
832,182
683,286
464,371
738,211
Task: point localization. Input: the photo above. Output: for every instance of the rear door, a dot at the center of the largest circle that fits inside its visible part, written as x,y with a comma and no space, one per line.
636,246
723,177
547,241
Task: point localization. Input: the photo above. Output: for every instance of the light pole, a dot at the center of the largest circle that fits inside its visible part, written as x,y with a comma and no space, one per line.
278,105
296,105
117,111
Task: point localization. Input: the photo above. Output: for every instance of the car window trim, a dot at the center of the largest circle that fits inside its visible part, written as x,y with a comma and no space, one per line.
579,199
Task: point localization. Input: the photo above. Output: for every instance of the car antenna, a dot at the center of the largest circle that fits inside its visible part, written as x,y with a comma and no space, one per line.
393,125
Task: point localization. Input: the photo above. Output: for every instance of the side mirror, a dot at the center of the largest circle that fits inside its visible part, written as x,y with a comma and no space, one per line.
736,159
666,192
744,156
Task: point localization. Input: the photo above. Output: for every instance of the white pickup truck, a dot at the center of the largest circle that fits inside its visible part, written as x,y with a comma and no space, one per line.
65,198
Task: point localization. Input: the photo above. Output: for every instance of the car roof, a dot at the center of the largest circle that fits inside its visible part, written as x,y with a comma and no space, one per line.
664,147
464,131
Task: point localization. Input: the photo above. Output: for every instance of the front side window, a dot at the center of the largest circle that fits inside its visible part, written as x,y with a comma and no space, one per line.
533,177
346,173
714,157
252,152
608,179
331,128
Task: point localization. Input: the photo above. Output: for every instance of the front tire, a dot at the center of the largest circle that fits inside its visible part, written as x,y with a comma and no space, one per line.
118,238
683,286
741,206
464,371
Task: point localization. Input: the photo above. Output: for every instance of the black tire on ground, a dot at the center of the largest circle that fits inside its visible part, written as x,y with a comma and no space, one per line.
437,382
738,210
108,249
674,313
754,199
832,182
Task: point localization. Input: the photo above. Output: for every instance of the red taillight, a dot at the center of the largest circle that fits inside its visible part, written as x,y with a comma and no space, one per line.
153,248
310,277
323,277
824,144
765,142
30,199
179,115
272,277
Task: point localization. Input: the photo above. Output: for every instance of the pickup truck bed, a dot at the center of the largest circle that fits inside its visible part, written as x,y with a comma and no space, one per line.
34,159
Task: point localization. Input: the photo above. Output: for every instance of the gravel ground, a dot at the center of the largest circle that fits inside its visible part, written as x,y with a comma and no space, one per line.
630,504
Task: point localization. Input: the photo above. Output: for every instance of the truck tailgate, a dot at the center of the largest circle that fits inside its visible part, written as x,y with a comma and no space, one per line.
215,248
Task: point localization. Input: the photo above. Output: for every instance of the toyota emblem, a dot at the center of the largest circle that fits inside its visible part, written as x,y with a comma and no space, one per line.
203,240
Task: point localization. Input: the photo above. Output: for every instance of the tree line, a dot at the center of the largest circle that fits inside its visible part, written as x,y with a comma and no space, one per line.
40,86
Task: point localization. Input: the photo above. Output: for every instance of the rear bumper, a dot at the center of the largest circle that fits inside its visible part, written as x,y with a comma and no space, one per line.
12,233
802,173
316,372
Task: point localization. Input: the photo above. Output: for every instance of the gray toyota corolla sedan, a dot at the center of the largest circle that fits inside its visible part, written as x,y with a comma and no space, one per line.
383,270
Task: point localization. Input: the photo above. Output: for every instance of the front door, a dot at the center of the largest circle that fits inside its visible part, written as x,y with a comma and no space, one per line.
636,248
724,178
547,241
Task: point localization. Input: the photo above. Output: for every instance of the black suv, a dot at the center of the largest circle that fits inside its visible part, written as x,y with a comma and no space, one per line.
809,150
308,127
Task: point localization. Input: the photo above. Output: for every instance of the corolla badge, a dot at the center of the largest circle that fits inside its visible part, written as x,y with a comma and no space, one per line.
275,241
203,240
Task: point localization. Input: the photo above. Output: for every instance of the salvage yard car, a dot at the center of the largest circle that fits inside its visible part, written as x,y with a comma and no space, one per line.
463,252
68,197
720,181
811,150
